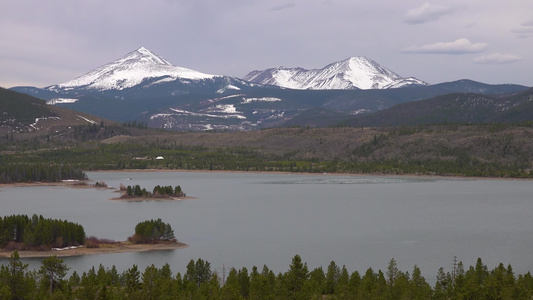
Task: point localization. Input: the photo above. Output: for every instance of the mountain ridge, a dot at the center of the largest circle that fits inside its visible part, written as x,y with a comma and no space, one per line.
356,72
459,108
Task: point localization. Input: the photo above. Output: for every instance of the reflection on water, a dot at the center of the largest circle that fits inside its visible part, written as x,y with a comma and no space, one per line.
247,219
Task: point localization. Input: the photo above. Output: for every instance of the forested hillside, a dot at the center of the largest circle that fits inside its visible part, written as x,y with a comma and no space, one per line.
475,136
457,108
466,150
18,110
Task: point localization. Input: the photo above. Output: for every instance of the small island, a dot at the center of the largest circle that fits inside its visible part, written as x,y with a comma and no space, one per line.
40,237
136,193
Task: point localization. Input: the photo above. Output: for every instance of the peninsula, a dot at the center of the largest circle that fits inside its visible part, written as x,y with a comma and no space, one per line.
119,247
31,238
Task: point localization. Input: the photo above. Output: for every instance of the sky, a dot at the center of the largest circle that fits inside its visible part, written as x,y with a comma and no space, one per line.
50,42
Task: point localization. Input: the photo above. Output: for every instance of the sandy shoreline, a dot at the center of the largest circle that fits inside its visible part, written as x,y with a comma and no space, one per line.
120,247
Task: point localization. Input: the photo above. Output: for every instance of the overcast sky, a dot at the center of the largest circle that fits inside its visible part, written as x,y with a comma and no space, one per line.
53,41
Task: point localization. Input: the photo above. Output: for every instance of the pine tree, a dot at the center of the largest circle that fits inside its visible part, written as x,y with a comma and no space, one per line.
296,277
15,276
53,269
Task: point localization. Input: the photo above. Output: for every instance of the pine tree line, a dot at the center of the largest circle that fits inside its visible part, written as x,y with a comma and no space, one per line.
39,172
157,192
200,282
22,232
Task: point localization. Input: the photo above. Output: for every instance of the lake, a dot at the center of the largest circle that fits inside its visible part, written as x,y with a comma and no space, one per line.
246,219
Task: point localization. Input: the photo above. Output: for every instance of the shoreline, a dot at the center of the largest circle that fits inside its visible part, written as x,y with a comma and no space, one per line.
143,199
72,184
75,184
308,173
120,247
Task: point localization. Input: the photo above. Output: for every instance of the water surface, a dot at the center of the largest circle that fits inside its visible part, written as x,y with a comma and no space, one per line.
247,219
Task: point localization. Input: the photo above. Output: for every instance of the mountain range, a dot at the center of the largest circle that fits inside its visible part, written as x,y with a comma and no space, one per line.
352,73
145,87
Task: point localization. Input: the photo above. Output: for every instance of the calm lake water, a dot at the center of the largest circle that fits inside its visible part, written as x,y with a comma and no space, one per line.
246,219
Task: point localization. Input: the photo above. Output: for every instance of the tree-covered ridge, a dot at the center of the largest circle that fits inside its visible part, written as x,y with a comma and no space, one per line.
153,231
459,108
24,233
201,282
463,150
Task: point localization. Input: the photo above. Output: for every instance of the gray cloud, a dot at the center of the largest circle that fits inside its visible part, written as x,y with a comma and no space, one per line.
497,58
53,41
460,46
283,6
427,13
525,30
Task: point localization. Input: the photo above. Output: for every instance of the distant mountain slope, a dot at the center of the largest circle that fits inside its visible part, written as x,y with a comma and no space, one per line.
315,118
203,106
17,109
470,86
466,108
352,73
21,113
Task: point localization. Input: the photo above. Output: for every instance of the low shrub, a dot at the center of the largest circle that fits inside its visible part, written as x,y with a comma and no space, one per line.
12,246
94,242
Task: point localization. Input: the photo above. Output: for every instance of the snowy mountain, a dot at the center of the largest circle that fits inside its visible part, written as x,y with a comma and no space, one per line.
129,71
353,73
145,87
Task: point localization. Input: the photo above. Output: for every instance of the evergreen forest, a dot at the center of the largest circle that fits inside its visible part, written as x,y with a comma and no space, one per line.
152,231
157,192
37,233
200,281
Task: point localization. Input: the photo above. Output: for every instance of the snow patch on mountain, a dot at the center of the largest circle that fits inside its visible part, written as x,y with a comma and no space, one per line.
223,108
261,99
277,115
213,100
88,120
61,100
34,125
360,111
130,71
352,73
194,114
227,88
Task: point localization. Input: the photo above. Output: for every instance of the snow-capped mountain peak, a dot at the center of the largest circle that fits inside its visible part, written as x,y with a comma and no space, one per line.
130,71
356,72
144,56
